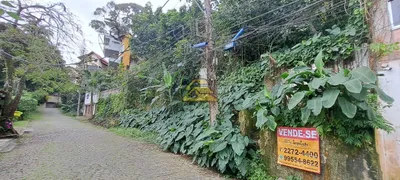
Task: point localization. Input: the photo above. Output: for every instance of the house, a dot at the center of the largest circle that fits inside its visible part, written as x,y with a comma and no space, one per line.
125,54
118,50
92,61
112,48
385,28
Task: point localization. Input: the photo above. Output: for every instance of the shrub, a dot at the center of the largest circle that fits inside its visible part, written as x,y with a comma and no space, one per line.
27,104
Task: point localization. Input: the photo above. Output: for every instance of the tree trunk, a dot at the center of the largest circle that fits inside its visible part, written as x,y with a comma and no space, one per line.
9,82
13,105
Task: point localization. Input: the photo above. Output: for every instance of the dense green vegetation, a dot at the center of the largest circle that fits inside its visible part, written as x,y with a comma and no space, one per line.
280,35
32,64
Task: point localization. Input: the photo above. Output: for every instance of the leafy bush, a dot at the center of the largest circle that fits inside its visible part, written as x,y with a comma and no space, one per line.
187,131
258,169
39,95
109,108
27,104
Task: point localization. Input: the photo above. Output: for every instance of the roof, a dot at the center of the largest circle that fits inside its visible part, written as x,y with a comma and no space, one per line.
102,60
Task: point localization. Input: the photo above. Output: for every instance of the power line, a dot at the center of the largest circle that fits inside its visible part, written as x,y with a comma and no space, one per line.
281,25
261,15
308,18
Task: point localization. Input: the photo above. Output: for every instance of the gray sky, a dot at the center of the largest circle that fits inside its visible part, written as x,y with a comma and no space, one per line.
84,9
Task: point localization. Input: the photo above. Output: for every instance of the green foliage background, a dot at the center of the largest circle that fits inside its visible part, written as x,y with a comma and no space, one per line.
327,33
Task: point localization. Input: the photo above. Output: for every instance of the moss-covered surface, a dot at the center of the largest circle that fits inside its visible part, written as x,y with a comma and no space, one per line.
247,124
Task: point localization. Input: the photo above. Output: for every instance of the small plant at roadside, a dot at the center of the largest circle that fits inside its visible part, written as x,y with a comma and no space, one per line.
258,169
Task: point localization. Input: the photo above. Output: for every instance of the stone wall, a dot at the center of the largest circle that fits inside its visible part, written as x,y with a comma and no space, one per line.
338,161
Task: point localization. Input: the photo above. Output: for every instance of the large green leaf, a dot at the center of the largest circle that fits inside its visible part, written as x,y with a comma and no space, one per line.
206,134
296,98
337,79
247,103
348,108
219,146
238,147
360,96
315,104
363,105
271,124
317,82
319,63
243,167
384,96
353,85
261,119
371,113
329,97
364,74
305,114
276,110
1,12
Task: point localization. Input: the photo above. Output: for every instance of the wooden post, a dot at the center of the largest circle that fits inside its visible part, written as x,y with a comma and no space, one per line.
79,103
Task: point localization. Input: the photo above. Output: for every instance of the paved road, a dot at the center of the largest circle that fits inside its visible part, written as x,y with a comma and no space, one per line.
63,148
389,144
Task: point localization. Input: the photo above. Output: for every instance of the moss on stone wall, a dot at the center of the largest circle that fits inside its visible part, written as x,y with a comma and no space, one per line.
338,161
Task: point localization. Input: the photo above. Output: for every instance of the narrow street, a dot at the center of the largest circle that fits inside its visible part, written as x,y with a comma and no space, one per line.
61,147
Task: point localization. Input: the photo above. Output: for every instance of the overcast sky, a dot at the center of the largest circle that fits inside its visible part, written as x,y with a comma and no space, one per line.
84,9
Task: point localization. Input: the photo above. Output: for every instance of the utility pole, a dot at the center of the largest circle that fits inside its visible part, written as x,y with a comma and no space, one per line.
210,64
79,104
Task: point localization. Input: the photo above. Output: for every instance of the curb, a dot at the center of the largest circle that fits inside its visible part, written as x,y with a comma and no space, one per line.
8,144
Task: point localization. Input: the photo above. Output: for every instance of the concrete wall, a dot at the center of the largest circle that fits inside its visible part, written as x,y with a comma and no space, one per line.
106,93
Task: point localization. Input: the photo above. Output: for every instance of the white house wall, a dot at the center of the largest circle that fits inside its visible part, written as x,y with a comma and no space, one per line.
87,98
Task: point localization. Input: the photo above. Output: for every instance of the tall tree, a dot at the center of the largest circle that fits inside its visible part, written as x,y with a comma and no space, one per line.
116,19
30,44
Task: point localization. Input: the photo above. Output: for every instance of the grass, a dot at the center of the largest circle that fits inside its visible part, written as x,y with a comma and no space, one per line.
21,123
37,115
134,133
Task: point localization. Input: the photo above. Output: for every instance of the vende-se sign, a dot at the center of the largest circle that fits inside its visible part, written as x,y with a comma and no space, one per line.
299,148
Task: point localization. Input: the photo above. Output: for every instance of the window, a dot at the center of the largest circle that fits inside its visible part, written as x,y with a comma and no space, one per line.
394,12
106,41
